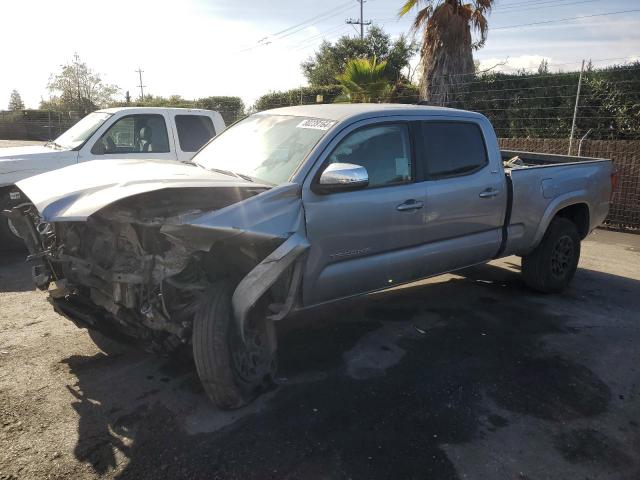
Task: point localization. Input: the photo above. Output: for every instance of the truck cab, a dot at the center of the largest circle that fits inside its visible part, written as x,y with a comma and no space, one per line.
158,133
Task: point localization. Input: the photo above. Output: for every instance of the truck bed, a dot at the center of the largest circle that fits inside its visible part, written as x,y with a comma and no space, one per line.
542,183
535,159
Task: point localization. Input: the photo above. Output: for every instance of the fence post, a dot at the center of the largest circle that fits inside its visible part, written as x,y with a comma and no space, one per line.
575,108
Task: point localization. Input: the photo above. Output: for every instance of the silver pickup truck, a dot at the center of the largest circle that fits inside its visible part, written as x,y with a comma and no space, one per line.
290,209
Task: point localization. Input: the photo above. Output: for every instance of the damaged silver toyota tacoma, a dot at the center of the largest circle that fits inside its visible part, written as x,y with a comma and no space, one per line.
290,209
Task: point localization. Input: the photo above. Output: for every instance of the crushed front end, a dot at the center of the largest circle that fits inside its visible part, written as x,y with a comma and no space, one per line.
137,269
117,273
122,279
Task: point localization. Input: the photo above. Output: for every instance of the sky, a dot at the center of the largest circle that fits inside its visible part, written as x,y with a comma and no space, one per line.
199,48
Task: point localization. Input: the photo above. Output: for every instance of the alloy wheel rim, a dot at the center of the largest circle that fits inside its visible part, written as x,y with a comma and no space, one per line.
562,257
251,360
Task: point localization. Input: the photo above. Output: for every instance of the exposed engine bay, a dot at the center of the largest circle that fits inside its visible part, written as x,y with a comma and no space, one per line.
119,274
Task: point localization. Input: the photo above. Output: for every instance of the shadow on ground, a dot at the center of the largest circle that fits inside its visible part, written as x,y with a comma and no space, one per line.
478,335
15,274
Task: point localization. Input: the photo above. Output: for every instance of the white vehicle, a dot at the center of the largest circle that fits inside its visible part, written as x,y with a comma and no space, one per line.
113,133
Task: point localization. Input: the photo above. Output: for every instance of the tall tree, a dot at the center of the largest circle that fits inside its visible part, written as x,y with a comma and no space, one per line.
331,58
447,44
15,101
78,88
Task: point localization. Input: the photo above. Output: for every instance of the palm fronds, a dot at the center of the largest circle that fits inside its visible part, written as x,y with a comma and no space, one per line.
365,80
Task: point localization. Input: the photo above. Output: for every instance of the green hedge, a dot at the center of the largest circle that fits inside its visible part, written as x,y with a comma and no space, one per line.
298,96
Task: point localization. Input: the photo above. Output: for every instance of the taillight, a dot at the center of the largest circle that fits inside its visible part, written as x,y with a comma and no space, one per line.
614,182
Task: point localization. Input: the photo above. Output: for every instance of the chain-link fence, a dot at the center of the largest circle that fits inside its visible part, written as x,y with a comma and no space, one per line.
35,124
625,209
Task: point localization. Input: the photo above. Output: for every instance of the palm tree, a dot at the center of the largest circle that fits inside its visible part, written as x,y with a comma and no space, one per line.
446,53
365,81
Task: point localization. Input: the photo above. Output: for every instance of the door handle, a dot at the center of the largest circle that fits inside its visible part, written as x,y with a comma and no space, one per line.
489,193
410,205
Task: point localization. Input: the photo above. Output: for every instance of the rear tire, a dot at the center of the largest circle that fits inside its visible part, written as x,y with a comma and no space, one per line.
9,239
551,266
232,373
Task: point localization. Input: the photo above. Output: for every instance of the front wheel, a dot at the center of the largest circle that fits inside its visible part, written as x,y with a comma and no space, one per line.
551,266
232,372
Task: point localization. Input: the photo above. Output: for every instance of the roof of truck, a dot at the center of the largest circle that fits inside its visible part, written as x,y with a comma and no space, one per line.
343,111
151,109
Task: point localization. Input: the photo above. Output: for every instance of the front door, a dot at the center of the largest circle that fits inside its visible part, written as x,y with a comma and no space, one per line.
361,240
132,136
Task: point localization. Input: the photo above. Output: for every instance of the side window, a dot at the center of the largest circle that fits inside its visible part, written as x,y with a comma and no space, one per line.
194,131
452,148
134,134
383,150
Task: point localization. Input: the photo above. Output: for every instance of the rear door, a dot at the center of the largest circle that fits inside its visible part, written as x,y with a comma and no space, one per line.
193,131
361,240
465,193
137,135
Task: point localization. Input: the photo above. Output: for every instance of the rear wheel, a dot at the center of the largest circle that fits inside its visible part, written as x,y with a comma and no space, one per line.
232,372
551,266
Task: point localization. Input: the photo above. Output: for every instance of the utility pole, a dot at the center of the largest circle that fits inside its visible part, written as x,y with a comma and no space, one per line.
141,85
360,22
575,108
75,61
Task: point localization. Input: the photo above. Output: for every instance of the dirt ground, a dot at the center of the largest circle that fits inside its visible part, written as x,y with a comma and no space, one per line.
465,376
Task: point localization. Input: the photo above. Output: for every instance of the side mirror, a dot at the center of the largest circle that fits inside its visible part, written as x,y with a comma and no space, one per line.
340,177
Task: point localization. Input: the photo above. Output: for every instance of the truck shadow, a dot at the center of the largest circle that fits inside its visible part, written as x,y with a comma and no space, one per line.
15,273
466,350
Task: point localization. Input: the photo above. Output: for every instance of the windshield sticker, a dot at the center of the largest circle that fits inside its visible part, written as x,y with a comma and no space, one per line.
316,124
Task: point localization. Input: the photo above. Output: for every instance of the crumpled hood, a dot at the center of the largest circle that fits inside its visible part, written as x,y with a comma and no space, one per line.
17,163
76,192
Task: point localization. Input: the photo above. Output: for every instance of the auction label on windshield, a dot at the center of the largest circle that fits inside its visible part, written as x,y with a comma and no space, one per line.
316,124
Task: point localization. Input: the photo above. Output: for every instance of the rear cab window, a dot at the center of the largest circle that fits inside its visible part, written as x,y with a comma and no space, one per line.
451,148
194,131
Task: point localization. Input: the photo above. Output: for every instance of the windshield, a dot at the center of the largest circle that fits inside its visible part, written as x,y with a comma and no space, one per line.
267,148
82,130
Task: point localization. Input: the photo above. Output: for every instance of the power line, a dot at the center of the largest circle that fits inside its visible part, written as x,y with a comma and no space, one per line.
287,32
545,22
342,5
324,35
501,8
535,5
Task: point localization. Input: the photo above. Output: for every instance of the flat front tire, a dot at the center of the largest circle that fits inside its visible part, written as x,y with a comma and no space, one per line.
553,263
232,372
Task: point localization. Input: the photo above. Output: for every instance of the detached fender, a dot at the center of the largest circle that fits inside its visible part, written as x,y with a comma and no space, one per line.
264,275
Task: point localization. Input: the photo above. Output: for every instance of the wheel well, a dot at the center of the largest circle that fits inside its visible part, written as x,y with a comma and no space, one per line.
579,215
